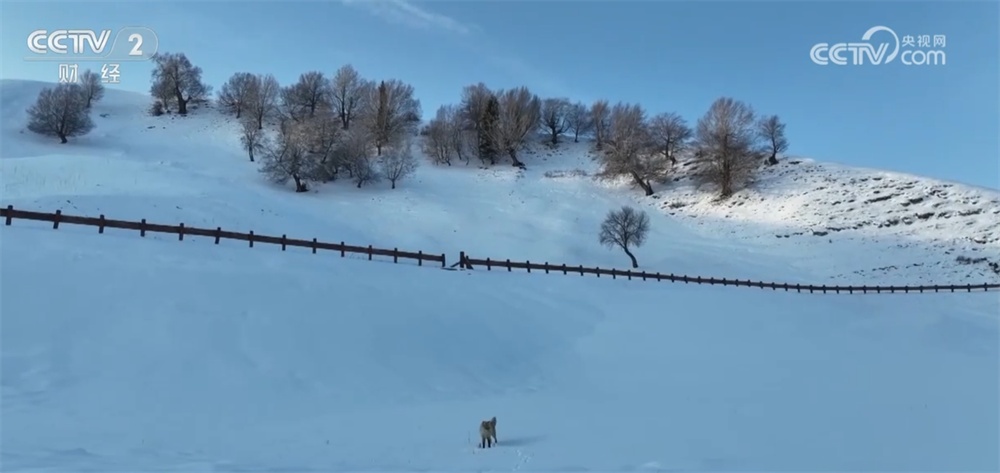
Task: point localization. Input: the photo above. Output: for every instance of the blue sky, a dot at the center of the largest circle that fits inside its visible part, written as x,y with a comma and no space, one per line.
939,121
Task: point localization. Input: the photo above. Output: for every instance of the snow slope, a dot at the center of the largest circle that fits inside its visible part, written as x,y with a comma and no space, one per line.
127,354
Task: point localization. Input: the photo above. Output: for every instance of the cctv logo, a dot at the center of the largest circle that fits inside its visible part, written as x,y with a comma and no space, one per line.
839,53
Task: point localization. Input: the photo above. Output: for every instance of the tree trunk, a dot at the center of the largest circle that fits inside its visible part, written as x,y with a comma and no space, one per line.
635,264
300,186
250,150
513,157
62,138
773,159
646,186
555,138
393,183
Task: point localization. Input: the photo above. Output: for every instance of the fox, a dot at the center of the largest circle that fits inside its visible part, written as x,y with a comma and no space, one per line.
488,433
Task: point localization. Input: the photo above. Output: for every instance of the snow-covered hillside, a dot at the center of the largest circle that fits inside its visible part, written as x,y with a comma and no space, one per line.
122,353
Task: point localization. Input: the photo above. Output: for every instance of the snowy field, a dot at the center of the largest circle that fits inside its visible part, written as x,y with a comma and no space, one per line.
125,354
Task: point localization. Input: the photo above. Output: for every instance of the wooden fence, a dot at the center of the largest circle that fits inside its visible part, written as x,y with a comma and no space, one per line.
57,218
465,262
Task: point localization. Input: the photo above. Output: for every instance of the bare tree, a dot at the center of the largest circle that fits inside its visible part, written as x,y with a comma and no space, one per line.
177,80
438,143
289,158
393,113
93,89
162,95
398,163
252,137
579,120
727,140
480,113
60,111
323,135
520,112
554,117
670,135
625,228
263,100
348,93
627,148
304,98
354,155
236,94
772,131
600,113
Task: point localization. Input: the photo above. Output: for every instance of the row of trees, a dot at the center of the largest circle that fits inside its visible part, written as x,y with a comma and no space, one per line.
63,111
328,127
325,127
730,139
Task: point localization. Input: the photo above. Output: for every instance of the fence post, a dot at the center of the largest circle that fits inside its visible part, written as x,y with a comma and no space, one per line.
341,249
581,270
986,287
597,271
314,246
798,288
613,275
369,252
461,260
629,274
395,255
528,265
55,220
489,267
420,257
283,242
564,268
218,234
10,213
180,232
546,267
250,238
100,229
142,228
508,265
970,287
443,260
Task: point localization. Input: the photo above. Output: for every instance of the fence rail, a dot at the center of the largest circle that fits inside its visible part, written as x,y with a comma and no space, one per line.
465,262
57,218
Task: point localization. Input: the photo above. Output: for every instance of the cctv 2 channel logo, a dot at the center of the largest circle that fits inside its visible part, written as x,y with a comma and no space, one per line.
916,50
134,43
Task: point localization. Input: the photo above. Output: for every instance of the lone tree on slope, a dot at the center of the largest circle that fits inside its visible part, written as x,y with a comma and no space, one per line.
176,81
772,131
60,111
625,228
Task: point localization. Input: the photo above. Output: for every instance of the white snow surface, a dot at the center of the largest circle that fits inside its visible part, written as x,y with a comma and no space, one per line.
127,354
